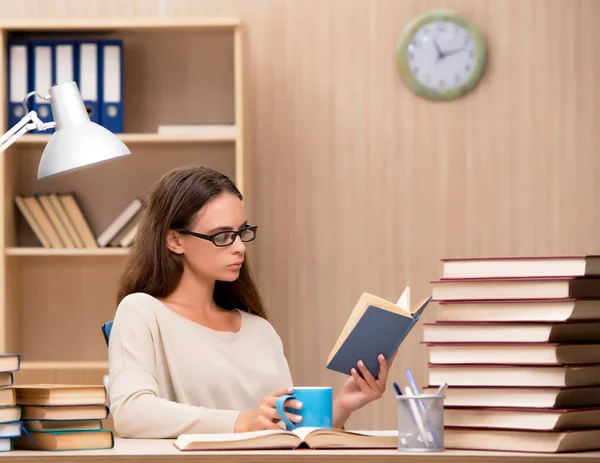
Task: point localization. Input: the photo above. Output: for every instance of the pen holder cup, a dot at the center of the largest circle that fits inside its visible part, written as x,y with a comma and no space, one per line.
420,423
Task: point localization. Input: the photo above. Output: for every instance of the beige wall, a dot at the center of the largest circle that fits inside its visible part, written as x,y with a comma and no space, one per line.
362,186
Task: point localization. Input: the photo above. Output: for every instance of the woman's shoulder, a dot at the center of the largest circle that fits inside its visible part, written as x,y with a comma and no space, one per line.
138,304
257,323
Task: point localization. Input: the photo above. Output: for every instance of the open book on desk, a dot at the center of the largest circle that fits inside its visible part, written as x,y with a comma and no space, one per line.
375,326
303,437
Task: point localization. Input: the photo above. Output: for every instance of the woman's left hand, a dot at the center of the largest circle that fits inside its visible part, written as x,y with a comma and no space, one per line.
358,392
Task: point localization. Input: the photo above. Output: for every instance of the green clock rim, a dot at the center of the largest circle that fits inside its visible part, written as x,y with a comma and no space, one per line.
402,55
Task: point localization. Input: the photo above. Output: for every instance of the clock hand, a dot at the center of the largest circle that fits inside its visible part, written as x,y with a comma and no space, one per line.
440,53
452,52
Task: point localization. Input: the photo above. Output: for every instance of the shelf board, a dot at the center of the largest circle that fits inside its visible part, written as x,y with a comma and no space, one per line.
89,252
107,24
70,365
144,138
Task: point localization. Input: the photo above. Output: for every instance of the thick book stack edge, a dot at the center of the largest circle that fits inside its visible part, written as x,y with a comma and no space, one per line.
58,221
63,417
11,426
517,339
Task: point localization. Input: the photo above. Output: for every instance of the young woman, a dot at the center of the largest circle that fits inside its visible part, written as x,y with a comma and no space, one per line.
191,350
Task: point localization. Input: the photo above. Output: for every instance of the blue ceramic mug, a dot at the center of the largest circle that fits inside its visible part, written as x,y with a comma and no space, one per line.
317,407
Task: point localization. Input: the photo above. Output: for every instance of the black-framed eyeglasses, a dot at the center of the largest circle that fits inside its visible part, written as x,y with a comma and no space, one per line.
226,238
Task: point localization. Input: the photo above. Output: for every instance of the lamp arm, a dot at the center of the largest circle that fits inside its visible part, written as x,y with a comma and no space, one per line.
29,122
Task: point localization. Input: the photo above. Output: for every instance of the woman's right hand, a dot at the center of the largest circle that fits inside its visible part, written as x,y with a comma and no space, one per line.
266,416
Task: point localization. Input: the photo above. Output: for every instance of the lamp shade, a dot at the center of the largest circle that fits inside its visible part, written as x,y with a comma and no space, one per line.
77,141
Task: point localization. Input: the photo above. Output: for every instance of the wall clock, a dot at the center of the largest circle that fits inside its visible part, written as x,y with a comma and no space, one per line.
441,55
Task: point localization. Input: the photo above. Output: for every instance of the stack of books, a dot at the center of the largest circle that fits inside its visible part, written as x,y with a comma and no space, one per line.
10,412
58,221
517,339
63,417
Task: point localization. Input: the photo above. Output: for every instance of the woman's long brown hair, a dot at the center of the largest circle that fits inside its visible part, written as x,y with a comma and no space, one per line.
172,203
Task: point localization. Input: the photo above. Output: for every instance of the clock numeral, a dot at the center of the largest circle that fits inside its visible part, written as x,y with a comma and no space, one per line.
442,84
457,79
471,53
441,26
467,37
411,56
414,43
468,67
415,70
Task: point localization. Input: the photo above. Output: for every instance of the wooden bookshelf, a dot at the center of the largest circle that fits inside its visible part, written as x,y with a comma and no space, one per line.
176,71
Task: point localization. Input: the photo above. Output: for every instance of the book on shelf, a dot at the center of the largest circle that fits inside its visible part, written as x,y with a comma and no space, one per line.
190,130
315,438
89,439
517,339
120,223
63,416
11,424
59,221
375,326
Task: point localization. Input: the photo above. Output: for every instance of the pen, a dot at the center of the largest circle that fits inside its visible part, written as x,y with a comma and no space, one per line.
417,416
397,388
422,405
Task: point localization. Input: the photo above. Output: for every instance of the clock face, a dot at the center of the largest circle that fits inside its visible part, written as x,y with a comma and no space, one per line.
441,55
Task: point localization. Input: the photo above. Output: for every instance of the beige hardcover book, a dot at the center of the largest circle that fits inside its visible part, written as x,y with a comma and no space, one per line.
7,397
66,440
468,332
127,240
514,375
64,413
60,394
522,397
513,353
35,226
527,310
77,217
116,241
55,219
10,413
119,223
464,289
62,425
40,216
58,207
521,266
539,419
522,441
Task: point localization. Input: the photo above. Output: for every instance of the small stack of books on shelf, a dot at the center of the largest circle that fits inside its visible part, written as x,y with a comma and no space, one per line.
517,339
11,425
63,417
59,222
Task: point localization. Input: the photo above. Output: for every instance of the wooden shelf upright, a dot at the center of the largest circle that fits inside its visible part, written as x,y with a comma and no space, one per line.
175,71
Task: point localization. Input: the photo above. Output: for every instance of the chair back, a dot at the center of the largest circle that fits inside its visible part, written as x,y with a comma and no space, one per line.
106,329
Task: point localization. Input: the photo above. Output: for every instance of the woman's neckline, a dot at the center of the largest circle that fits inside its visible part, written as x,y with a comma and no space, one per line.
224,333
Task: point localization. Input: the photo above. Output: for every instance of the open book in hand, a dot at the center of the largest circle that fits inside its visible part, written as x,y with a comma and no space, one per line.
375,326
303,437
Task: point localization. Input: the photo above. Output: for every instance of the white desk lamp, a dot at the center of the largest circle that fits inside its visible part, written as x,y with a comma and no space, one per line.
77,142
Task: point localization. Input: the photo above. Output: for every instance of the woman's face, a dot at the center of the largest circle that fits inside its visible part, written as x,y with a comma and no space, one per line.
223,213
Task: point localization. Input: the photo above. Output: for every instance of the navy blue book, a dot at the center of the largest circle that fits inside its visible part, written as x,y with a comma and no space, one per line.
375,326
